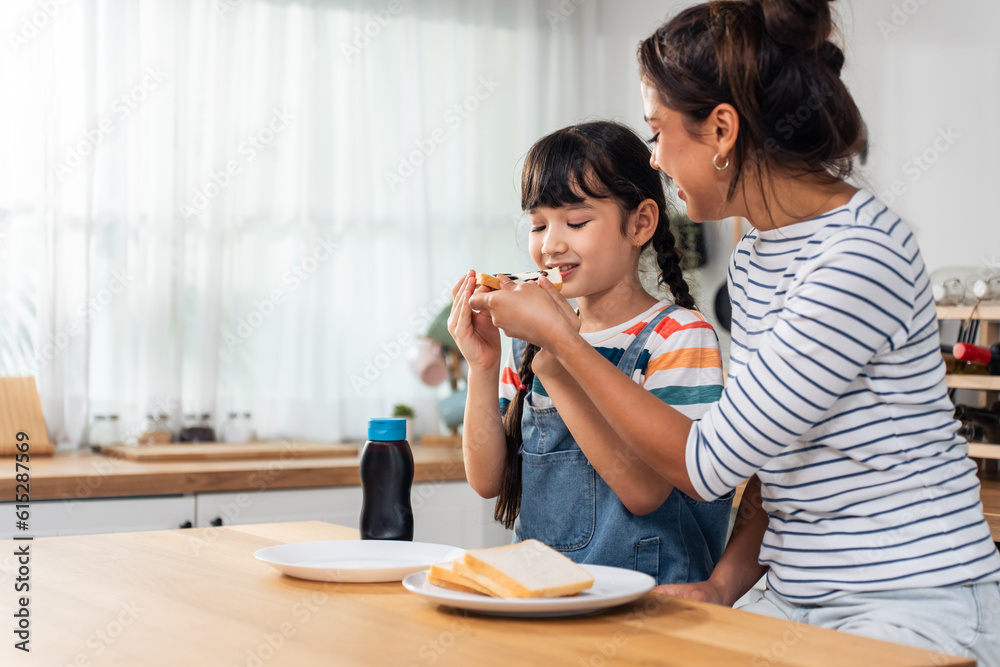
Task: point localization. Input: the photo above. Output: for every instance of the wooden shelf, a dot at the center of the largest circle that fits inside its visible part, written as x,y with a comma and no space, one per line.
975,382
983,450
985,311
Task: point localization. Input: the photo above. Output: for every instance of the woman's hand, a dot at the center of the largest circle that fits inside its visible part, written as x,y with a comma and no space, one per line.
545,365
538,313
476,336
703,591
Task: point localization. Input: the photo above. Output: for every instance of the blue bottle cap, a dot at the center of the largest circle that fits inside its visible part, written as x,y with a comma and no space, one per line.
387,430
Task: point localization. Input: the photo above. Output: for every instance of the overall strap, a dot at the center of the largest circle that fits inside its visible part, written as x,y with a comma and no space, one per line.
629,360
518,347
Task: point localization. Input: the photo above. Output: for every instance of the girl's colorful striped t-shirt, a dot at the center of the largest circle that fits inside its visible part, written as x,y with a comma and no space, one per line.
680,362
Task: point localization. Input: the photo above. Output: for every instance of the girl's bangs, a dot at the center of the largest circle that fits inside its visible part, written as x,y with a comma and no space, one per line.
557,172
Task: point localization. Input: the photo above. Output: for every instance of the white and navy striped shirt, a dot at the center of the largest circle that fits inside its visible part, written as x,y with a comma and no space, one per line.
836,398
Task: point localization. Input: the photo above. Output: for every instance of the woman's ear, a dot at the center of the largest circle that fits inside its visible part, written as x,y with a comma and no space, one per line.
644,221
723,127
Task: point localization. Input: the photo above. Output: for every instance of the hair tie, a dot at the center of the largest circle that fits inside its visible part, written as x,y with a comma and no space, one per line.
521,386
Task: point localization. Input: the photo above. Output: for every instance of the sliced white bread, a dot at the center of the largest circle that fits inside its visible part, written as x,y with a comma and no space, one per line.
554,276
445,576
528,569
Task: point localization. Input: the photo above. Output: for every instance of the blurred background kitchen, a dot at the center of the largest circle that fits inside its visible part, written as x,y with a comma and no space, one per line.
222,207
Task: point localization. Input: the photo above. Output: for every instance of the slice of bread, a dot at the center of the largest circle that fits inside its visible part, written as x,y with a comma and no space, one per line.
528,569
445,576
554,276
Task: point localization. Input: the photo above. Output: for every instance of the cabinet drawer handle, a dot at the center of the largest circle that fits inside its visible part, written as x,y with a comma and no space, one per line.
217,521
186,524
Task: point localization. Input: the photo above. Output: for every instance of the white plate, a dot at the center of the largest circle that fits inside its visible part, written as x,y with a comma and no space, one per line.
612,586
355,560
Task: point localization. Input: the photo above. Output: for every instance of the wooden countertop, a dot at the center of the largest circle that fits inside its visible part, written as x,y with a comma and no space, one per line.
81,474
147,599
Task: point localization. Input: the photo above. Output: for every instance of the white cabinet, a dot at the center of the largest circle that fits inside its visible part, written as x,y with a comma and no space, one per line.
443,512
102,515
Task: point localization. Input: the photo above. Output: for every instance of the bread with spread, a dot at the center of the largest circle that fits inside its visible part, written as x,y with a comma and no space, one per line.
553,275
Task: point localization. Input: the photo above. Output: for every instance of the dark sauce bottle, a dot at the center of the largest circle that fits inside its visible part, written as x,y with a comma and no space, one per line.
386,480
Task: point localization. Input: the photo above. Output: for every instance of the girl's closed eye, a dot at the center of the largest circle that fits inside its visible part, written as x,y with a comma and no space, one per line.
576,225
653,139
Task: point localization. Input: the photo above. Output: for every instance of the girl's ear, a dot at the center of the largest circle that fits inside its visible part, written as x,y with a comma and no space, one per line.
723,127
644,221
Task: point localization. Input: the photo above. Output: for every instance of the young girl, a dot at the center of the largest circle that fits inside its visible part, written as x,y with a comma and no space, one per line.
561,473
863,507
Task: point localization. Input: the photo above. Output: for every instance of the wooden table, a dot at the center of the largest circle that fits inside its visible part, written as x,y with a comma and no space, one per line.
147,599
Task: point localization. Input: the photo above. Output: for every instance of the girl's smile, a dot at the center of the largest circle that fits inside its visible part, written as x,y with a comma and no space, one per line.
565,270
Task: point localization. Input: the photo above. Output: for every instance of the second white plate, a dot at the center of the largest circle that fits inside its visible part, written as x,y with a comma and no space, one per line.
612,586
355,560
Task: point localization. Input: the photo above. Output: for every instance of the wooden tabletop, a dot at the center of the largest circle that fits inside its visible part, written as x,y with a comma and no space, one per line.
198,597
80,474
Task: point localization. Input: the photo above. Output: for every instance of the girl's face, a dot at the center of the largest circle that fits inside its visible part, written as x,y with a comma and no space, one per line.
687,160
585,241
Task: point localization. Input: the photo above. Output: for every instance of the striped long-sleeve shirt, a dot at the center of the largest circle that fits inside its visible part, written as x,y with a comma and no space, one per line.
836,398
680,362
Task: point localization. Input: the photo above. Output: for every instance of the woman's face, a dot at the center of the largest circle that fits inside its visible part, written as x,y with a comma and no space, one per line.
687,160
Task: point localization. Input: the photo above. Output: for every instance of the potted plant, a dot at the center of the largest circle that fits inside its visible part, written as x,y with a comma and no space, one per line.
406,412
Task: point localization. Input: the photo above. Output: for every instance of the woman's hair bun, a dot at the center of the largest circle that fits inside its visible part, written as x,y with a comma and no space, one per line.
832,55
803,25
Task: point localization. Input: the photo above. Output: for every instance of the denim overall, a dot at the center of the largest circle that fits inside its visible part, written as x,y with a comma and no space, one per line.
567,505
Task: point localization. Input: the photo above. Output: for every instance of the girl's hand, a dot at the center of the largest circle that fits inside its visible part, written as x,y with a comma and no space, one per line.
476,336
703,591
538,313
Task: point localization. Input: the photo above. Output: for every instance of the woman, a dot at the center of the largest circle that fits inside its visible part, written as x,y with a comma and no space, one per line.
836,405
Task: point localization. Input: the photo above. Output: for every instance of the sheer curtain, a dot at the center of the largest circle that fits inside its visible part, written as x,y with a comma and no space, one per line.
220,205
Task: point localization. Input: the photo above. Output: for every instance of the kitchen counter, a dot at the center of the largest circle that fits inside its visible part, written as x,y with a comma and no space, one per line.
153,599
81,474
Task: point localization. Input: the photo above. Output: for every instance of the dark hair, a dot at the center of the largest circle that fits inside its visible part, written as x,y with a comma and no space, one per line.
773,61
602,160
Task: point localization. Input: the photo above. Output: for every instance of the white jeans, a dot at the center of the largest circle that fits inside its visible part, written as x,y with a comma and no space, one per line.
960,620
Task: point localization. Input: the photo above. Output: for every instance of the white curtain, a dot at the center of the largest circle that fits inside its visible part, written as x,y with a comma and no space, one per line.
219,205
